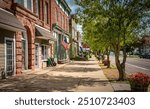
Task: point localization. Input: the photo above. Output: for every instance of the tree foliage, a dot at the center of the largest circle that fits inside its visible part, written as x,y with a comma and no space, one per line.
113,24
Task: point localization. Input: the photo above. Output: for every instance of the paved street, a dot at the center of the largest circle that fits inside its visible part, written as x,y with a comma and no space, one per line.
78,76
136,65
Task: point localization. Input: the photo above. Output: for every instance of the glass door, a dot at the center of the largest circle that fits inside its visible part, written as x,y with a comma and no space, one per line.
9,57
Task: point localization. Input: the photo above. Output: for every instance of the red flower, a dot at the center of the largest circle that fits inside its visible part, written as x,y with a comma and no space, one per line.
139,79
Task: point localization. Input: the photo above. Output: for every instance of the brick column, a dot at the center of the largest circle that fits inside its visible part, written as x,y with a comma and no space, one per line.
18,53
31,48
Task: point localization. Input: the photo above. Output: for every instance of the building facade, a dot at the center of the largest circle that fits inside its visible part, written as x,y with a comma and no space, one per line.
26,35
74,37
60,12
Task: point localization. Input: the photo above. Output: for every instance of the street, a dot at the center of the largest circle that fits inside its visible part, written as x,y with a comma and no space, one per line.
138,65
134,65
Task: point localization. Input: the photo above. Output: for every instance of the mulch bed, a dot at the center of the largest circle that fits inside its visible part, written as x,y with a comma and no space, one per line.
111,73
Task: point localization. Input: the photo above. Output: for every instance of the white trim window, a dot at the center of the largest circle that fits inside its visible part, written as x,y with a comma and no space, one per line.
44,52
26,3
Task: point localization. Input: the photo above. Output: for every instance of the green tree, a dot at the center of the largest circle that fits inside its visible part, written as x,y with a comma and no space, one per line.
115,23
95,40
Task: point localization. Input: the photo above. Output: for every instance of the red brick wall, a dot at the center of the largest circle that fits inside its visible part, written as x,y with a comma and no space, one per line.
29,25
28,20
40,19
6,4
18,53
55,7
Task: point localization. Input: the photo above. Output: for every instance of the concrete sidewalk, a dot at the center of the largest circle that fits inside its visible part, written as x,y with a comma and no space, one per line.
77,76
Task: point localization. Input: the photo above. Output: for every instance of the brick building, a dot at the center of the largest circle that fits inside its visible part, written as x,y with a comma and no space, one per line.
26,37
60,12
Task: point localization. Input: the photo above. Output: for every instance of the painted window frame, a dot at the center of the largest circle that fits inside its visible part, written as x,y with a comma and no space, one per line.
14,53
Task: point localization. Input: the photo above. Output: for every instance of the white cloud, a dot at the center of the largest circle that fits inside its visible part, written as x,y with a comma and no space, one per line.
72,5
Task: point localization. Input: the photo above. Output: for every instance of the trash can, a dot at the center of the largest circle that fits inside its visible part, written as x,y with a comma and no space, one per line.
49,62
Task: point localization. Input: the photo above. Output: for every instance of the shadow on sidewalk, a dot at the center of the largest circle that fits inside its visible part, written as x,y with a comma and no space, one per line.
77,63
46,83
77,69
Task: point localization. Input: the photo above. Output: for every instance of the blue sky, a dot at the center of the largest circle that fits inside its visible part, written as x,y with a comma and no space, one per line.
72,5
73,8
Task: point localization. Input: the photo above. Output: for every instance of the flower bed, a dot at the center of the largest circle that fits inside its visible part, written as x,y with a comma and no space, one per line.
139,82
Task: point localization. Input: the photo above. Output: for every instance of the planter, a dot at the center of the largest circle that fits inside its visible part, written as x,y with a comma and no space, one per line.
136,88
139,82
106,62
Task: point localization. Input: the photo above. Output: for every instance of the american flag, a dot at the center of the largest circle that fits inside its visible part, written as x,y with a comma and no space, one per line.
65,45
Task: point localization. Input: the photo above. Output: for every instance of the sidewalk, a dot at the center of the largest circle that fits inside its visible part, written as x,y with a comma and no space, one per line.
77,76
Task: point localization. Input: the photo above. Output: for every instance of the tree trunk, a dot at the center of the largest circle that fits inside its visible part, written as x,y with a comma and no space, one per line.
124,58
108,65
103,58
120,67
108,59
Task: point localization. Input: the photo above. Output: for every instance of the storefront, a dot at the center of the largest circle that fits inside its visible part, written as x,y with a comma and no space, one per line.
62,47
9,25
44,43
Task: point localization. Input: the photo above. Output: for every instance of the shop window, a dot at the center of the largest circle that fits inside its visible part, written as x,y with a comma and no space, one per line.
44,52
